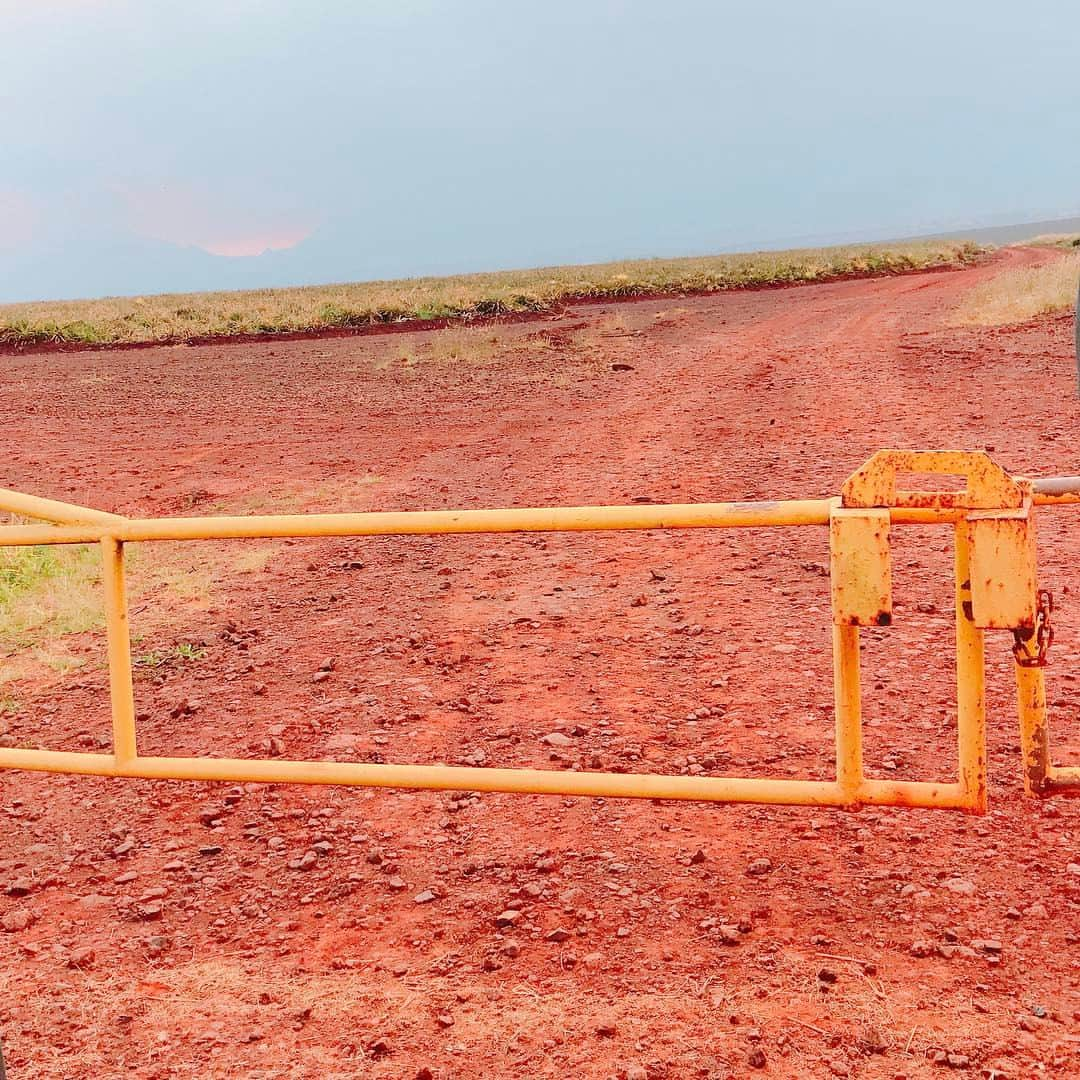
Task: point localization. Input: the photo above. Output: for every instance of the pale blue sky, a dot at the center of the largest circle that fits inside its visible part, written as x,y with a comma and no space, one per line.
152,146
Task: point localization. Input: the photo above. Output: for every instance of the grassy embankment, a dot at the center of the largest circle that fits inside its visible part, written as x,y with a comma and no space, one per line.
1016,295
183,316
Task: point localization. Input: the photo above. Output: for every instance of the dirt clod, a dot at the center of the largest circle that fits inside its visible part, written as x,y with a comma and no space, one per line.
16,920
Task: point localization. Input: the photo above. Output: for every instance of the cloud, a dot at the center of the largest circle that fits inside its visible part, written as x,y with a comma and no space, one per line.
221,223
258,242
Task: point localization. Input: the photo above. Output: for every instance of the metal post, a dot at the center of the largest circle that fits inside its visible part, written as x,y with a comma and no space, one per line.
1034,737
970,683
118,632
848,698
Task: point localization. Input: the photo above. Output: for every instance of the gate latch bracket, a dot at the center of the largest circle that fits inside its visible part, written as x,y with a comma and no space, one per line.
860,566
1030,646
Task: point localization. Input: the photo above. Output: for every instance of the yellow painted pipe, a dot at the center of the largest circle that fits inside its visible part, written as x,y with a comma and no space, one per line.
78,525
118,633
732,515
33,506
540,519
1064,779
462,778
970,683
1051,490
28,535
914,793
1034,737
848,710
433,777
418,522
1041,776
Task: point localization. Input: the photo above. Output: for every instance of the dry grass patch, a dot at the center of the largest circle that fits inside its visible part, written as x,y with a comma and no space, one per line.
457,345
1062,240
1016,295
49,594
183,316
47,591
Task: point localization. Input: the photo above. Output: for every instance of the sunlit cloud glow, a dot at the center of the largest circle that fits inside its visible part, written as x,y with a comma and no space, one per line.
256,243
218,224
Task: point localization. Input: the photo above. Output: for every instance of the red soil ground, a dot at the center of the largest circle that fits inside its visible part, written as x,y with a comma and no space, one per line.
169,930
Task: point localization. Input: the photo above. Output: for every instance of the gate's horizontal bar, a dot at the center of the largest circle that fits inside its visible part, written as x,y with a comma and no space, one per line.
1056,489
914,793
541,519
33,506
457,778
733,515
1063,779
28,535
432,777
428,522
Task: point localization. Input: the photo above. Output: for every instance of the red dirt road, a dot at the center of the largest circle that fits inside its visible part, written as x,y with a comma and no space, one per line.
166,930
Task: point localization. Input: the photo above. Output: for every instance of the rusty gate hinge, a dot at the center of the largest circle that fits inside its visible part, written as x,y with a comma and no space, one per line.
1041,635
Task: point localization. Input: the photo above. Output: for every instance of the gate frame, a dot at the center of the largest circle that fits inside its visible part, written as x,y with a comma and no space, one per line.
870,503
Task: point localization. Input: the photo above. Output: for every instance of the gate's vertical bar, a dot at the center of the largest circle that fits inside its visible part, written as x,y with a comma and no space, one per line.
1034,738
848,698
121,690
970,683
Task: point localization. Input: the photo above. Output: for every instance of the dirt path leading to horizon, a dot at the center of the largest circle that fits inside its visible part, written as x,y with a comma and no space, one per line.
193,931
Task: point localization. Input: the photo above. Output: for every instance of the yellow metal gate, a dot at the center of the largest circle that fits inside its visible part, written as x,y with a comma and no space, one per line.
992,519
